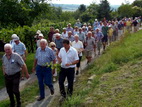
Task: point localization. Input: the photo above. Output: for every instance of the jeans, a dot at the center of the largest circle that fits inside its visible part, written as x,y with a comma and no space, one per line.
12,87
69,73
44,75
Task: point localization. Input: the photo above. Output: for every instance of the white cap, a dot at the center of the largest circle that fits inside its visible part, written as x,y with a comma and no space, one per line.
96,20
17,38
38,32
13,36
41,35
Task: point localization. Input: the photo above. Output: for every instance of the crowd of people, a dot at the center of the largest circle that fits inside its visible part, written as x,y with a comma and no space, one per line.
64,47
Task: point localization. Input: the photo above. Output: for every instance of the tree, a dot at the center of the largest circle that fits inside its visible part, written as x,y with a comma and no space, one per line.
137,3
92,10
82,8
125,10
104,10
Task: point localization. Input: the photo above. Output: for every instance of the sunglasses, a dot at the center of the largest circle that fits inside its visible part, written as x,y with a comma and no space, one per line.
52,46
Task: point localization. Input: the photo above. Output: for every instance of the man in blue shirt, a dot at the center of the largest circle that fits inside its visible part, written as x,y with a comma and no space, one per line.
20,48
44,57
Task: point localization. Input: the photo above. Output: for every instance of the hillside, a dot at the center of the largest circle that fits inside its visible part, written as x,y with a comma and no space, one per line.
74,7
117,77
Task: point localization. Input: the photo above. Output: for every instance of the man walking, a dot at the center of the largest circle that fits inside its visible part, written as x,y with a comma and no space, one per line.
20,48
44,57
68,57
12,64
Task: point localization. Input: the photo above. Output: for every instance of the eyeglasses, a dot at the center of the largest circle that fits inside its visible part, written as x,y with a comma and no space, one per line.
53,46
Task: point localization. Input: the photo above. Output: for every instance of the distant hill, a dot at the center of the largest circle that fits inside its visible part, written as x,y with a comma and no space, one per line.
74,7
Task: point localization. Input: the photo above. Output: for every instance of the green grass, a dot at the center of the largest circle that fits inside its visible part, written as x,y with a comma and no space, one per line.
118,77
29,63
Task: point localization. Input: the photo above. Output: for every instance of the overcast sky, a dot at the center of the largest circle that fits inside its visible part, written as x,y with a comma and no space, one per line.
87,2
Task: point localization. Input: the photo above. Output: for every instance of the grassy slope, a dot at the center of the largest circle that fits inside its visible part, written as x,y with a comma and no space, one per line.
118,80
29,63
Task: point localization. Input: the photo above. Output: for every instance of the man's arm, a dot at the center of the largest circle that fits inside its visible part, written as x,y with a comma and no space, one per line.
54,62
24,68
34,66
3,70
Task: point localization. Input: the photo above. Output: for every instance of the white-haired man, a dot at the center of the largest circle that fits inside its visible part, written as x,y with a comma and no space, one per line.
58,41
78,45
43,58
12,64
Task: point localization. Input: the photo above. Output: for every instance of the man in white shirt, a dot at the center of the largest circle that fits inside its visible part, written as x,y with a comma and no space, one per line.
68,57
78,45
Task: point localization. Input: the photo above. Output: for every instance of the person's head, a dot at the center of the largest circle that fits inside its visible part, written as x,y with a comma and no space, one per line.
76,28
51,29
69,25
69,34
64,30
76,37
66,43
40,36
109,26
80,30
52,45
97,30
56,30
17,40
13,36
105,23
89,35
78,20
58,35
43,43
85,24
8,49
83,28
90,28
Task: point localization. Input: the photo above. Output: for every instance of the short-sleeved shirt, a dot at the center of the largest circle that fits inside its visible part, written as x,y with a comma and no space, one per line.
105,30
81,36
44,57
70,29
77,45
59,43
12,65
64,35
99,36
70,38
20,48
68,57
90,44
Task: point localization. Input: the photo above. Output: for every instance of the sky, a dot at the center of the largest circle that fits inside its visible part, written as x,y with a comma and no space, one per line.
87,2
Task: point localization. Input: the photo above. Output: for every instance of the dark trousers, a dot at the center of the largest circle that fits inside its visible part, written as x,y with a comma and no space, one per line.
69,73
78,64
44,75
12,86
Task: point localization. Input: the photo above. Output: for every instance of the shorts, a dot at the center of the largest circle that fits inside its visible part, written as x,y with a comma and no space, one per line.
88,53
99,44
105,38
